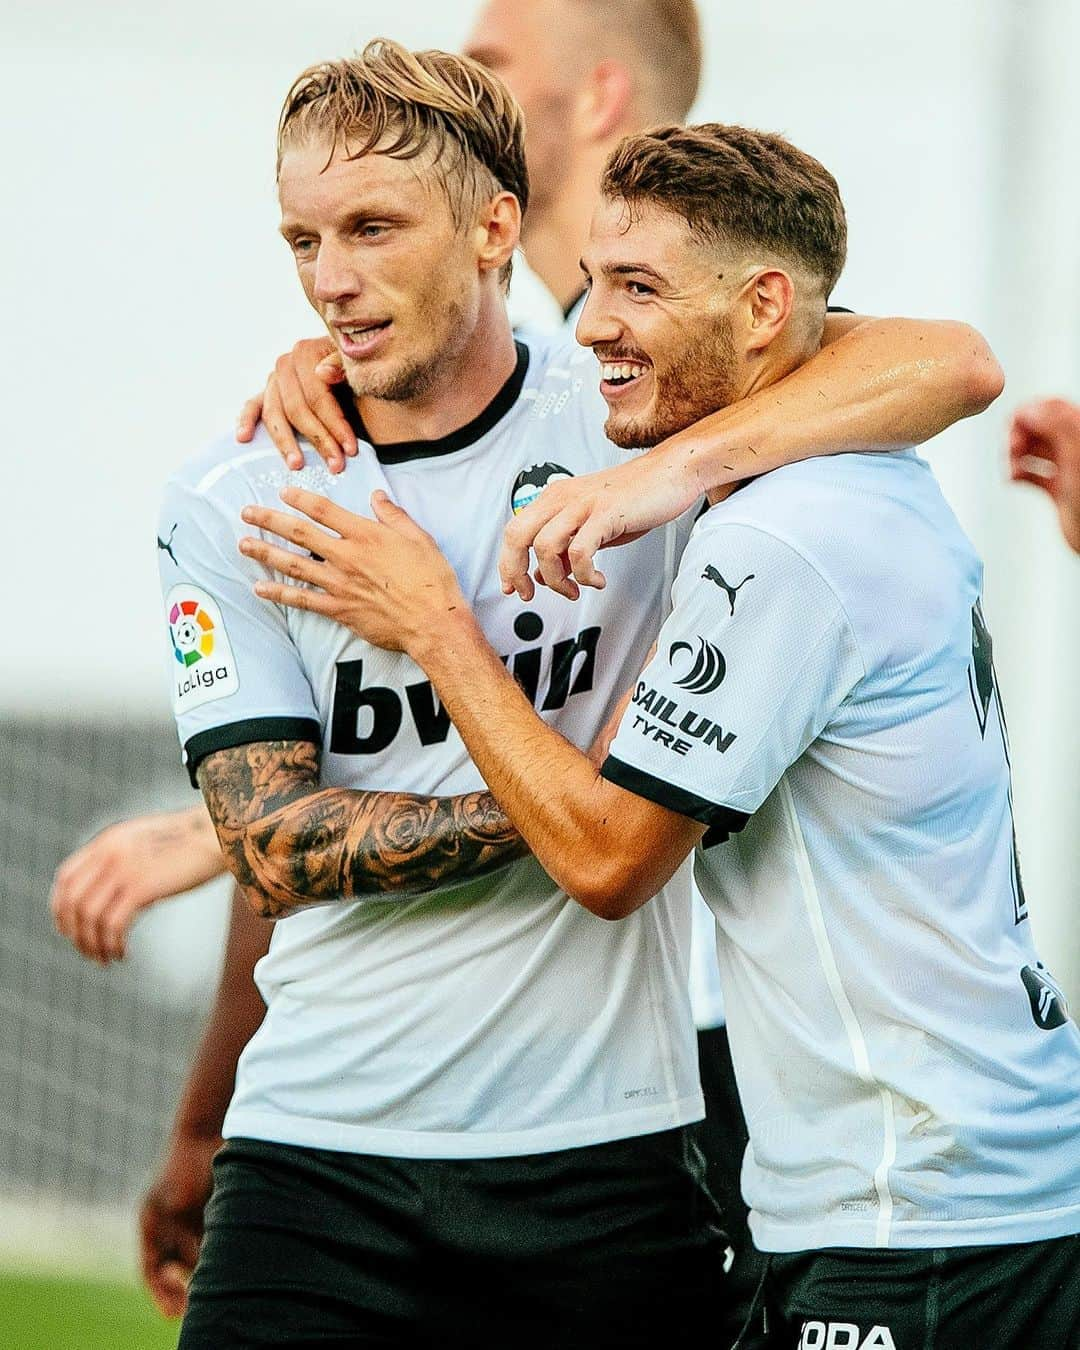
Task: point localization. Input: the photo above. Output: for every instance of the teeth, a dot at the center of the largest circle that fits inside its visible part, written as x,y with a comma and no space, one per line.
623,371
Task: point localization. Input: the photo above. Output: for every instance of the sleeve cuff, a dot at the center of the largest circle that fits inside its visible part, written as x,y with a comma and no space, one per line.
722,821
247,732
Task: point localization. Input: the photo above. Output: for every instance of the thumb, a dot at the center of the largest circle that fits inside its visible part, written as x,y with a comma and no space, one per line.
331,369
390,514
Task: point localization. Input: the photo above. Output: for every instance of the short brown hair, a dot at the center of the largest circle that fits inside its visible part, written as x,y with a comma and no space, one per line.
404,103
665,39
734,185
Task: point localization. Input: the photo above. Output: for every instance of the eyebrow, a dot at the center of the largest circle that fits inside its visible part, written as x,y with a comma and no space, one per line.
625,270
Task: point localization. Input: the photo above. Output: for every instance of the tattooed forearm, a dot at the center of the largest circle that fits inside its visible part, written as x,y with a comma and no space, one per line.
289,842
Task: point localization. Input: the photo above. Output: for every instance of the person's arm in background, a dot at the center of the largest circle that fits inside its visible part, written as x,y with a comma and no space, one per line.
101,888
171,1215
1044,449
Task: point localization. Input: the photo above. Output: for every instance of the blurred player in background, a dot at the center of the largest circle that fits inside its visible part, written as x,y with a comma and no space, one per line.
1044,450
820,723
635,72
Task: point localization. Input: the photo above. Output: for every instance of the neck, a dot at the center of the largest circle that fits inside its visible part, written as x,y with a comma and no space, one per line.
555,229
465,385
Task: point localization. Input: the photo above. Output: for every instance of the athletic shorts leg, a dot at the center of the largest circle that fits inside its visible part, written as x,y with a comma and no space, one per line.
291,1258
614,1245
723,1137
1018,1297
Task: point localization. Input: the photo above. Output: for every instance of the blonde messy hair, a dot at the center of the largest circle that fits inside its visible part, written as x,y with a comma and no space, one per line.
406,104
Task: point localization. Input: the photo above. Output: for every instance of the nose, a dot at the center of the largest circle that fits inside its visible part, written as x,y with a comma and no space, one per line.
336,277
596,323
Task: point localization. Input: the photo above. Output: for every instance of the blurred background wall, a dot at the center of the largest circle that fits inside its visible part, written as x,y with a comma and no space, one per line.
145,293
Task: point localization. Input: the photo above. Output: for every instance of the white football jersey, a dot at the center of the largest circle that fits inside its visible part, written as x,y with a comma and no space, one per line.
823,692
495,1016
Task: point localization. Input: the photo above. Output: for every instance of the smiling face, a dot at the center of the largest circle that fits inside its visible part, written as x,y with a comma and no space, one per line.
659,317
382,261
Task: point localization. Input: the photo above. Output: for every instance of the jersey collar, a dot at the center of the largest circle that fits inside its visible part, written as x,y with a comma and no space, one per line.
400,452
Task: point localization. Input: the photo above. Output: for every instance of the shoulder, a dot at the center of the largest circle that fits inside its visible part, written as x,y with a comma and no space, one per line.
874,529
225,470
845,512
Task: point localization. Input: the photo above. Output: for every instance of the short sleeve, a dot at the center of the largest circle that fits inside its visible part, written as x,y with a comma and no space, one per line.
235,674
755,658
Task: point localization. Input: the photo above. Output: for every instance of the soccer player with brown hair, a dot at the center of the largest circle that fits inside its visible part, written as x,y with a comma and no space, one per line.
820,726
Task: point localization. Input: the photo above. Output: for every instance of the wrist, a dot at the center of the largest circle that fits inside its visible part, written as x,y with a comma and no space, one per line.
701,458
445,633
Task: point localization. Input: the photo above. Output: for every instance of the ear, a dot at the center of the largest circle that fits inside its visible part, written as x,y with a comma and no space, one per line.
498,231
770,297
605,101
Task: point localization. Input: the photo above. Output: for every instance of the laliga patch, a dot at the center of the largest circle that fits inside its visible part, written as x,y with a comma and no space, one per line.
530,482
203,665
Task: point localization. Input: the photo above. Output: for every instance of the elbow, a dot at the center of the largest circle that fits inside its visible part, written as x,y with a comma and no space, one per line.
975,371
255,878
608,888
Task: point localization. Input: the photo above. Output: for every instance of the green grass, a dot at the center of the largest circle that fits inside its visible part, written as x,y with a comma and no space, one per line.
54,1313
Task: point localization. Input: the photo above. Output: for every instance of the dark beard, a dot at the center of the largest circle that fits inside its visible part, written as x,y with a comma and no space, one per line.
700,380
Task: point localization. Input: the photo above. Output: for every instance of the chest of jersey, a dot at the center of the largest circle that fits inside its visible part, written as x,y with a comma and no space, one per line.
383,723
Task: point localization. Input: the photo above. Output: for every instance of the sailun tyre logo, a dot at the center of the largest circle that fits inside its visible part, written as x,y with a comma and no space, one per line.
192,632
707,671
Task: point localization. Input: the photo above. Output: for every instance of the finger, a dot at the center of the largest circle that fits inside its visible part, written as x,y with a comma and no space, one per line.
331,369
299,566
162,1273
318,602
387,512
88,917
1021,441
514,566
563,583
168,1288
572,592
306,419
1048,417
590,537
249,419
550,546
69,894
315,401
114,926
325,512
1046,481
286,525
277,425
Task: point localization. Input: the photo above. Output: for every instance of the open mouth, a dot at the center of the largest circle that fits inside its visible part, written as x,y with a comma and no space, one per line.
358,339
618,376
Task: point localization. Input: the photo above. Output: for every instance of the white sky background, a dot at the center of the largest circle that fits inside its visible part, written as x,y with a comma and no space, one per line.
145,293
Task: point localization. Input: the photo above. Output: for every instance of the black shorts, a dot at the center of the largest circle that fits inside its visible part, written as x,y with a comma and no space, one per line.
612,1245
1022,1297
723,1138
